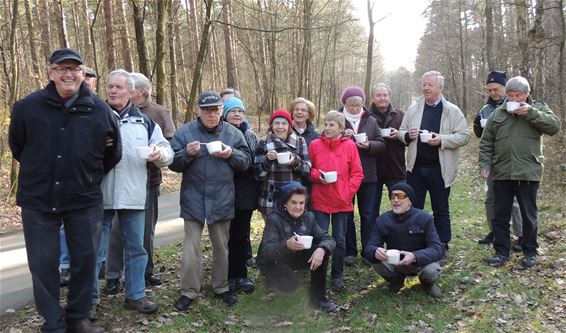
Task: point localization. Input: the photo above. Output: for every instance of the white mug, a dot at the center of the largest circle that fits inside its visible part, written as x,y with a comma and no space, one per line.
283,158
143,152
361,137
214,147
386,132
393,256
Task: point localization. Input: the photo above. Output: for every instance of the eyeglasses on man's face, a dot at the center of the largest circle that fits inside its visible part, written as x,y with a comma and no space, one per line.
64,69
211,111
398,195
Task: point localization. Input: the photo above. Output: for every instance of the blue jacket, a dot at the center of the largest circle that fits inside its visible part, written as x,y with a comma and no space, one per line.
207,188
62,149
413,231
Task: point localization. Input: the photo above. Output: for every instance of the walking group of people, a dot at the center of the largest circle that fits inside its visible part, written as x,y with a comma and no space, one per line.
92,168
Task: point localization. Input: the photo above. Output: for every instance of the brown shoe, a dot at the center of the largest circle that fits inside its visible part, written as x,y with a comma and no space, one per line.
142,305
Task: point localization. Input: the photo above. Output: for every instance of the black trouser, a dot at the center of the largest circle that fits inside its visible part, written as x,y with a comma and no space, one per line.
82,232
151,212
526,193
282,273
239,244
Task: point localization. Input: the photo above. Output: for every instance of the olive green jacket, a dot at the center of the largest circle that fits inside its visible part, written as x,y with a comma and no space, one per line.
511,145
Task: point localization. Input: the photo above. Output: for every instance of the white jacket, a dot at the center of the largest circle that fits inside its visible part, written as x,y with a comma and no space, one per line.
454,134
125,186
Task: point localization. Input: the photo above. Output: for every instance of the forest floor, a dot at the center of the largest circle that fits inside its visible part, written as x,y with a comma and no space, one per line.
476,297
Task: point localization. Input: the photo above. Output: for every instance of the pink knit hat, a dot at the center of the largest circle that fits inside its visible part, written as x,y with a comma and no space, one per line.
351,92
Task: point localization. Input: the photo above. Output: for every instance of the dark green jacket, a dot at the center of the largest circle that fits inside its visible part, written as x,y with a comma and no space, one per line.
511,145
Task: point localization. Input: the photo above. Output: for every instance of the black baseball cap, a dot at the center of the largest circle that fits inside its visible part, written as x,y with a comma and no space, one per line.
65,54
89,72
209,98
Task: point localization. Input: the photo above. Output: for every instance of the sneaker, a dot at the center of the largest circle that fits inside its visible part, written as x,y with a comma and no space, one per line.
183,303
142,305
245,285
488,239
82,326
528,261
102,271
152,280
433,289
227,297
64,277
497,260
233,286
324,304
350,261
112,286
518,247
338,284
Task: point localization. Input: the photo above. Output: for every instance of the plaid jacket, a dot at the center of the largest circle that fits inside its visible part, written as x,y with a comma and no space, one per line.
273,175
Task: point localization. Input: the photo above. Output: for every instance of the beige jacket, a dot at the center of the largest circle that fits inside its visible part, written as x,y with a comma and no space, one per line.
454,134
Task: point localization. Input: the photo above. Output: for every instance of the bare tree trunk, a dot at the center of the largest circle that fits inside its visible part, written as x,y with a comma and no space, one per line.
61,24
44,16
231,78
536,41
489,30
109,28
304,86
160,50
85,17
139,17
369,57
197,73
76,29
172,19
13,81
192,23
125,37
462,26
521,10
94,52
33,51
562,65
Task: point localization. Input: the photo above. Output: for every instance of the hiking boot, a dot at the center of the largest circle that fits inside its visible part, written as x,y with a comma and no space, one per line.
233,286
324,304
112,286
433,289
82,326
152,280
244,284
183,303
518,246
64,277
338,284
227,297
528,261
488,239
497,260
142,305
350,261
394,287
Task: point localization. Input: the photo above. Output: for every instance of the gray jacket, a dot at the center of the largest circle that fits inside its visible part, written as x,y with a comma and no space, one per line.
207,189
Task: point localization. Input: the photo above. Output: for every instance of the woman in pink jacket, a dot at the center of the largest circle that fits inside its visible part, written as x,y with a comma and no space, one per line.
332,198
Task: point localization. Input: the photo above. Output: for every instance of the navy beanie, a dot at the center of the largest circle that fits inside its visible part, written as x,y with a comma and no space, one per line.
497,77
408,189
286,190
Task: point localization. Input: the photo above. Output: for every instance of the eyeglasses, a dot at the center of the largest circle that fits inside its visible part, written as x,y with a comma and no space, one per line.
398,195
64,69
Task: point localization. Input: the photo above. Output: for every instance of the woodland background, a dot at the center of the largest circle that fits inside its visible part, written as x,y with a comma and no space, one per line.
276,50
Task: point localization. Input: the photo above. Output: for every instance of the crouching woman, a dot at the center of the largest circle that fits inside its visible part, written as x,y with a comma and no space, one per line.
282,250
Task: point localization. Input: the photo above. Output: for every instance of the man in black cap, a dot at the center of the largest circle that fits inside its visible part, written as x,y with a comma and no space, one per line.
90,79
411,231
495,86
207,193
65,139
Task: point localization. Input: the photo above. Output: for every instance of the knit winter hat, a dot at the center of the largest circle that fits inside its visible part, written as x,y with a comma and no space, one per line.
231,103
497,77
281,113
408,189
351,92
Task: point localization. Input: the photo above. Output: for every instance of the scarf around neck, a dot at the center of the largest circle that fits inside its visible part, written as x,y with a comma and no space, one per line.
353,119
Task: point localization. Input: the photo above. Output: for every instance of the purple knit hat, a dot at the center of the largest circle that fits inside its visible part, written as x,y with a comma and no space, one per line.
353,91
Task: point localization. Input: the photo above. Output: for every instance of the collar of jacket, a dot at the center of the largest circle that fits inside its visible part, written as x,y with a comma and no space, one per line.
291,141
332,143
496,103
84,99
129,110
205,129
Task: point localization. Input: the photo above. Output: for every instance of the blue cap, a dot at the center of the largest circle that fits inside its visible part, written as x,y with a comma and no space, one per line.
231,103
286,189
497,77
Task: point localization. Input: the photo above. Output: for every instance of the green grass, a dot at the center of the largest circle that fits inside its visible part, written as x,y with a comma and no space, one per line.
477,298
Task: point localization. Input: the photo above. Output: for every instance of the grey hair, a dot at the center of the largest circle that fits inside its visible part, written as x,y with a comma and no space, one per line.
519,84
232,91
354,98
336,116
130,83
380,85
142,82
438,76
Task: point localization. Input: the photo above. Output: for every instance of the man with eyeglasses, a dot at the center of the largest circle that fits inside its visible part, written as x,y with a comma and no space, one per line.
411,232
207,194
66,139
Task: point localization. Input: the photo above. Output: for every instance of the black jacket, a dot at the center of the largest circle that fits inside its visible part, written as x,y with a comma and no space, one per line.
247,187
369,157
310,133
413,231
62,151
280,226
391,161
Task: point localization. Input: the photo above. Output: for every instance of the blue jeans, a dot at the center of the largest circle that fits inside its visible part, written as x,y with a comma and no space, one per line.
366,208
41,233
64,258
389,182
131,228
424,179
339,234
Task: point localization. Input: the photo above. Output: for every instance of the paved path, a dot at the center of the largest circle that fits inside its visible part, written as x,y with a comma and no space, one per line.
15,278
